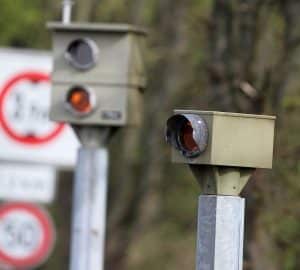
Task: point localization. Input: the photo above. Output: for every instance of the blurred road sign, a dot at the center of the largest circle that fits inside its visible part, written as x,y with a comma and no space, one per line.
27,235
24,109
31,183
26,134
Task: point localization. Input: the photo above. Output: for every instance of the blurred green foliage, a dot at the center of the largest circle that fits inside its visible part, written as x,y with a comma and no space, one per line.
22,22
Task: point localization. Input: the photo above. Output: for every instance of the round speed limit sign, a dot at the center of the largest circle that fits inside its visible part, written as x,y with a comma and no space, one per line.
26,235
24,105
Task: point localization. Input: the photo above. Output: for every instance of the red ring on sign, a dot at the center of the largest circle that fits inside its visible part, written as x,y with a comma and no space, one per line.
47,243
33,76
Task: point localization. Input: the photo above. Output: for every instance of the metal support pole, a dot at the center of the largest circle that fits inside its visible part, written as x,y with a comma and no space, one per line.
67,11
220,234
89,210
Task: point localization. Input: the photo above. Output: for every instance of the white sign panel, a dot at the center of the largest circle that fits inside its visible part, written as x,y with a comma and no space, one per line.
31,183
26,134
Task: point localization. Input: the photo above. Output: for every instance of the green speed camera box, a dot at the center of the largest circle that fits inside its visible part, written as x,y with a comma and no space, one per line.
237,140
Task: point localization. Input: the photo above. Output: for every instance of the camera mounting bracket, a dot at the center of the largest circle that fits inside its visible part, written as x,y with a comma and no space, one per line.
221,180
94,136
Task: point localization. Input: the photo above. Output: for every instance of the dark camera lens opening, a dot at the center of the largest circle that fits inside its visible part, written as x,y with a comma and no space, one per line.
82,53
187,133
186,140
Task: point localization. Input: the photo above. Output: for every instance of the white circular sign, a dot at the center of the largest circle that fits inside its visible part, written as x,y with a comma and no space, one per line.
26,235
24,106
20,234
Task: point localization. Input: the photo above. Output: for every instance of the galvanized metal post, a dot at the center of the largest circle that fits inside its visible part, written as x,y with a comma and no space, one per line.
67,11
89,210
220,233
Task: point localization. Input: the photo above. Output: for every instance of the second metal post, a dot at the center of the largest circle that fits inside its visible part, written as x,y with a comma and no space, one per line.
89,210
220,233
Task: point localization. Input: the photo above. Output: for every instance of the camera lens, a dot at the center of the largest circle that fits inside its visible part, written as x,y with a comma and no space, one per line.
186,137
188,133
79,101
82,53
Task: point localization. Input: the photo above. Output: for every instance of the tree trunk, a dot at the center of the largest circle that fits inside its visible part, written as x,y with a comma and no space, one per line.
236,84
84,10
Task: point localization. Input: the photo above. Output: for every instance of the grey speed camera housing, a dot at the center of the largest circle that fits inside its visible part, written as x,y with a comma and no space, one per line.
104,61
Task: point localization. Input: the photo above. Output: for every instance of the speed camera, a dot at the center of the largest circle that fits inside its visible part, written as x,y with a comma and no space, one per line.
221,139
98,74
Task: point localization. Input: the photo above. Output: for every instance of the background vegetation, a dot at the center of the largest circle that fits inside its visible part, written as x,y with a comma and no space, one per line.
234,55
